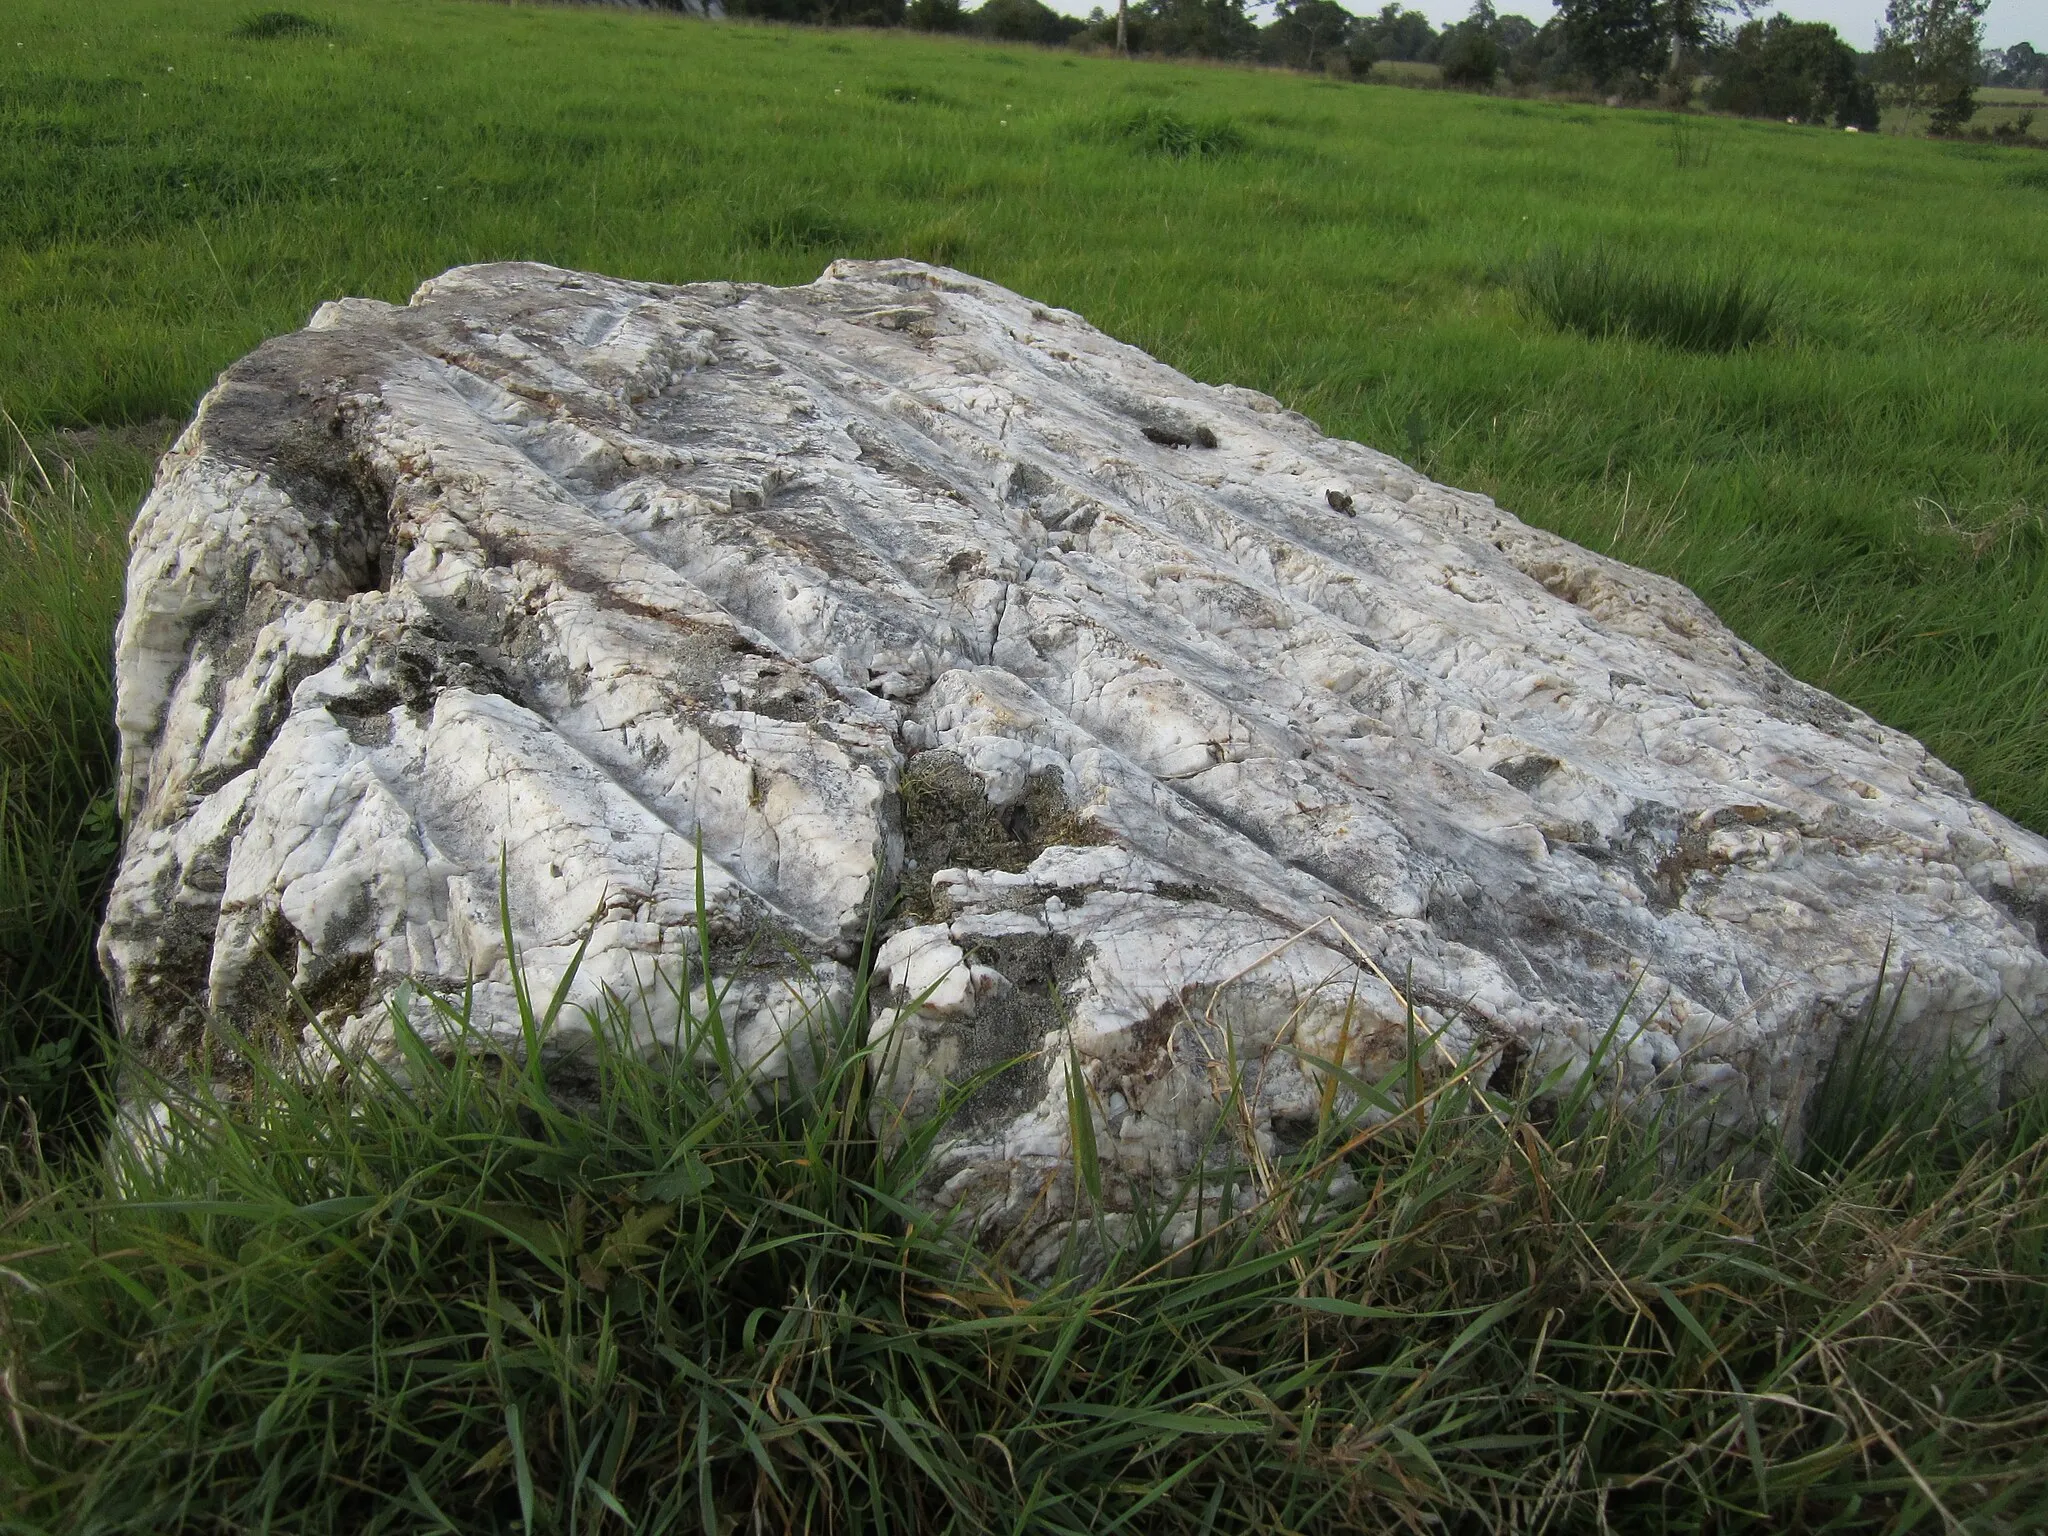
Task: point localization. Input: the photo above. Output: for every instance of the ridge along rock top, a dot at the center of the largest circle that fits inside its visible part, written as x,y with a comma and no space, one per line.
1159,711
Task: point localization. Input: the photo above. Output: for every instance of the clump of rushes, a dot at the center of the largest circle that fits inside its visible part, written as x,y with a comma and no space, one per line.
268,25
1602,293
1161,131
486,1293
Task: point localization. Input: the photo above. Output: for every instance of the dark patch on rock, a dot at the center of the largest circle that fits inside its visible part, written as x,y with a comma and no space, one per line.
1649,835
341,988
2032,916
878,452
1801,700
1528,771
1690,856
258,1008
1175,437
365,702
1150,1056
163,1010
1673,873
1510,1072
366,716
284,411
948,823
1558,947
1150,1034
1010,1025
464,655
782,692
1182,890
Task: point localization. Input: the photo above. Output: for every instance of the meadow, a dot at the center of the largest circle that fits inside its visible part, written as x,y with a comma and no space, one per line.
2016,110
1857,484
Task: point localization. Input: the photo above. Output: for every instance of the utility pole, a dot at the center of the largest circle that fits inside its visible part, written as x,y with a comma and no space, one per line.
1123,43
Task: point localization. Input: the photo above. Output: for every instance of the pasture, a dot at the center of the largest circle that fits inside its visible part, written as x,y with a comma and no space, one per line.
1858,484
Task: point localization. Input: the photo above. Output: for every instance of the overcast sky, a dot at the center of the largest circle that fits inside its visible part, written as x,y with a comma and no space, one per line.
2007,22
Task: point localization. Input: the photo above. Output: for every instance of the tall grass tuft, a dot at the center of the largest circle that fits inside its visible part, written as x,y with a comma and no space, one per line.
1690,148
1162,131
266,26
1602,293
62,553
479,1291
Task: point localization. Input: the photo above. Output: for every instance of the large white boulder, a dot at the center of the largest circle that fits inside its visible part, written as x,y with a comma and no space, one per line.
1192,747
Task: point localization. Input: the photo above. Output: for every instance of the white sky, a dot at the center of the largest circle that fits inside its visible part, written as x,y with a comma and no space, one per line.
2006,23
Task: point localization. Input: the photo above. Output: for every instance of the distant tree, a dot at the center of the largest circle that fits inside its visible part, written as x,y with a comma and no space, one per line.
1514,32
1359,53
1535,55
1927,58
1399,34
1469,53
2021,66
1692,27
1629,46
1212,29
933,15
1785,68
831,13
1617,45
1306,34
1021,21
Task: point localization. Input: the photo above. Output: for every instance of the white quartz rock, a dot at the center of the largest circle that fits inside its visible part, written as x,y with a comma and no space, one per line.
1174,727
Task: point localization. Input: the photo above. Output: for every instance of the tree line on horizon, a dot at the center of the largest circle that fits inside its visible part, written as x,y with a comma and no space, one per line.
1928,56
2022,67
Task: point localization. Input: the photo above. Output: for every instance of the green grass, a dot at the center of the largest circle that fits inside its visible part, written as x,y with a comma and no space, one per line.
1406,72
60,586
1165,132
268,25
1601,295
452,1302
1509,1332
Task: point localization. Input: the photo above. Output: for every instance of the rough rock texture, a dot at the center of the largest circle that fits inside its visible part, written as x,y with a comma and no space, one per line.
1181,731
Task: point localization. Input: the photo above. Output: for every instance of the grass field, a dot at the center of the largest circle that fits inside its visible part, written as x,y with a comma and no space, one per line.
1997,106
1861,493
1406,72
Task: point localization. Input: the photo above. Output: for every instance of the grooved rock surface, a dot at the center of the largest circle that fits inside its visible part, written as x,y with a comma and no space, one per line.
1174,729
